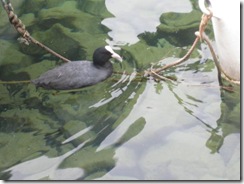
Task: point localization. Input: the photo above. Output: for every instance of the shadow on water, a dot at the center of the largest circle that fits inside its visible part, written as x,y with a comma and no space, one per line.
127,127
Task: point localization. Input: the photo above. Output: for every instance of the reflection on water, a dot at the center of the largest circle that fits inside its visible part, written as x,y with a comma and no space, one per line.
127,127
135,17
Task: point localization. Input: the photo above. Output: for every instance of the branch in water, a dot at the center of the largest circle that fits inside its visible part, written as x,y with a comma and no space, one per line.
20,27
200,35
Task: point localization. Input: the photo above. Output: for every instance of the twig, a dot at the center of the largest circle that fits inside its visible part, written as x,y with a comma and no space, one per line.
20,27
161,77
200,35
181,60
14,82
215,59
219,68
204,22
202,27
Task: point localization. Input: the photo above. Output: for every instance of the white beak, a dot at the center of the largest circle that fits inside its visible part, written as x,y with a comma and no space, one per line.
114,54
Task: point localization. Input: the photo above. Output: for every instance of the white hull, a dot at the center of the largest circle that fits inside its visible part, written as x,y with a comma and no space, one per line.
226,26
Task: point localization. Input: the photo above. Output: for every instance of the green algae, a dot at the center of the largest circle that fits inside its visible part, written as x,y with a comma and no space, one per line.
35,122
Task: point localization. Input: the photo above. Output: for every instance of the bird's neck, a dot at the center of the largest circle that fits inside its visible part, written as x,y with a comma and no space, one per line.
108,64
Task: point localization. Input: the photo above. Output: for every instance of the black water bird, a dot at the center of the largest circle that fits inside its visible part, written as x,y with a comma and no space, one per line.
78,74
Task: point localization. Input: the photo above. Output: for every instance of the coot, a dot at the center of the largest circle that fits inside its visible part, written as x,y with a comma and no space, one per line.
78,74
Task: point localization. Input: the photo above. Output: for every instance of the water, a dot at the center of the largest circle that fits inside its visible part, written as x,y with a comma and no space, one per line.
127,127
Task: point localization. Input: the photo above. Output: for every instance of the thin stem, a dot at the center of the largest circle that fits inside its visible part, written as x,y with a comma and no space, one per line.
181,60
20,27
219,68
14,82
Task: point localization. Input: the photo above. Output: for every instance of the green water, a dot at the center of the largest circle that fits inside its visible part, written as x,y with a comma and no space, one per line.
128,127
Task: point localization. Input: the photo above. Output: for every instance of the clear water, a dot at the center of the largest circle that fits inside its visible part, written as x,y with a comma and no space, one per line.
127,127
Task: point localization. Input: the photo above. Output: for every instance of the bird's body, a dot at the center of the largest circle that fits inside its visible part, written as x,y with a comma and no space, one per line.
78,74
72,75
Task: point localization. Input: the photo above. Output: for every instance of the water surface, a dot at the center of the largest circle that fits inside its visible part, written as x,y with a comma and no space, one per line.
128,127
